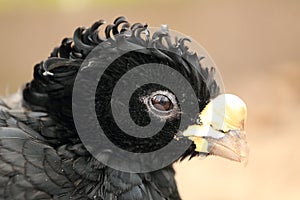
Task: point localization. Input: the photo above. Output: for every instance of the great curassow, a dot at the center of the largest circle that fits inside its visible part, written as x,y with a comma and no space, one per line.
43,155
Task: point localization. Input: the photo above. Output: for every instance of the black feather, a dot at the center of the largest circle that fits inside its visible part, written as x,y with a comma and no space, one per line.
41,155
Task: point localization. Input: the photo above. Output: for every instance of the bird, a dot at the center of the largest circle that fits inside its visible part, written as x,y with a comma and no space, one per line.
43,156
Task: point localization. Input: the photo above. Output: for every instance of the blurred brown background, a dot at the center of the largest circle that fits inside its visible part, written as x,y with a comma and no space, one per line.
256,46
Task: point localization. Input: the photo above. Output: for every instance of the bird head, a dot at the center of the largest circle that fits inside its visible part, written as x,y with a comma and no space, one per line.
214,127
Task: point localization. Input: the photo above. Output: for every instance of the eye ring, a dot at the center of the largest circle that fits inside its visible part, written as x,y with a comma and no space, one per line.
161,103
173,109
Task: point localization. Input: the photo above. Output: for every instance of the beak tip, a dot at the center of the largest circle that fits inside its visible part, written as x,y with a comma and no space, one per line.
244,161
245,156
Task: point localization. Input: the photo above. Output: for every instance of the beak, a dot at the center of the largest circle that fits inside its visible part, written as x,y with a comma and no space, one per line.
221,129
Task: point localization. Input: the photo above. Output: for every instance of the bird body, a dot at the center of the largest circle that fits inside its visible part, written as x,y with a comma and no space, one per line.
32,167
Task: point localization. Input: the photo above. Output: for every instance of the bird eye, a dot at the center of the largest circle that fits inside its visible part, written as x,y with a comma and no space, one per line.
161,102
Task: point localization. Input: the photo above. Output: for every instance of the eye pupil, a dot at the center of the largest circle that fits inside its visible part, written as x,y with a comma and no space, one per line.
162,102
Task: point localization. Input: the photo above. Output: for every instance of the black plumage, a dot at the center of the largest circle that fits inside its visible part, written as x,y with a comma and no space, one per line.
41,155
